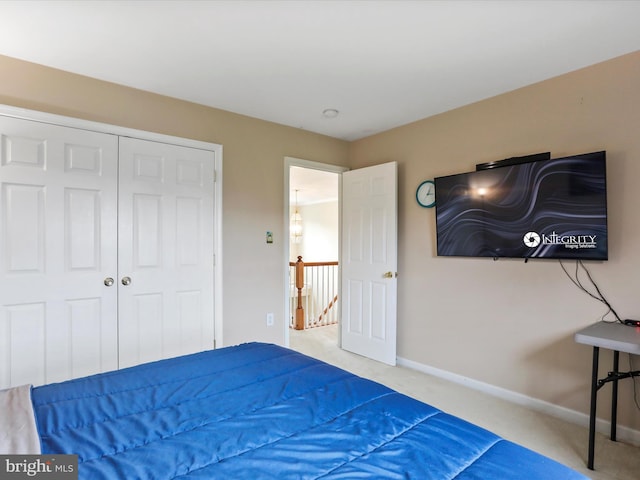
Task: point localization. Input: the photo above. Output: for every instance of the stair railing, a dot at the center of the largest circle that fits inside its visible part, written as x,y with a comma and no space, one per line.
314,294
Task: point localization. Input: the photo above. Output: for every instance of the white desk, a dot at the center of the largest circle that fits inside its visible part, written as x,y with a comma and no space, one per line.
616,337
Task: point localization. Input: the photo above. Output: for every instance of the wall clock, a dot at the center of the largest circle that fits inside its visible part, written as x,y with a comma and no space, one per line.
426,194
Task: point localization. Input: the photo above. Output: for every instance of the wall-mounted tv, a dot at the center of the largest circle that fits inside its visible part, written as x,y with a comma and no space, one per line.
554,208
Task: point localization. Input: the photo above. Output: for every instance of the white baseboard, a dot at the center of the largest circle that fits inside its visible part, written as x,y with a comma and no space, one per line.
625,434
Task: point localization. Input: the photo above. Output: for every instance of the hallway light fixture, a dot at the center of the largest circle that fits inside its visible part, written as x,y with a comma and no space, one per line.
295,224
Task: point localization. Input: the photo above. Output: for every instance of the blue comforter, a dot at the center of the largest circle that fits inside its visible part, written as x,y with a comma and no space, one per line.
258,411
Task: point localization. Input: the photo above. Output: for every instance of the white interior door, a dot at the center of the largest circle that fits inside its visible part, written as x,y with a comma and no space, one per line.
57,246
369,262
166,260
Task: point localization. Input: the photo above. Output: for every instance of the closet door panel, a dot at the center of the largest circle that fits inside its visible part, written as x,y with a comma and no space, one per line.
24,227
82,229
146,231
58,241
166,250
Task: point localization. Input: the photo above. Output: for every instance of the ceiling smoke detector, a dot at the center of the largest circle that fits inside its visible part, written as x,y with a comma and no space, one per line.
330,113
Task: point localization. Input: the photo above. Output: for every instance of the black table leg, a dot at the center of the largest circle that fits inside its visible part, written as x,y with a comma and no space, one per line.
592,413
614,396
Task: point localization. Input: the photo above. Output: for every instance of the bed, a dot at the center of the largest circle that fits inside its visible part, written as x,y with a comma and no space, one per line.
257,411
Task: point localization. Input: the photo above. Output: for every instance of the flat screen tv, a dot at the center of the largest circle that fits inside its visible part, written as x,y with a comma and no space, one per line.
554,208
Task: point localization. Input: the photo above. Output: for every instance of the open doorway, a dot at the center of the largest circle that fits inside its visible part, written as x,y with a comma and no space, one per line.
367,256
313,253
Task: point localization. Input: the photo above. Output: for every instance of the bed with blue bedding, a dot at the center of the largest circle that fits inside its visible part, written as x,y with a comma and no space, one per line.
257,411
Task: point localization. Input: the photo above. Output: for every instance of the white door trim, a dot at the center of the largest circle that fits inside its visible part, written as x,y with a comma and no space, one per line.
64,121
325,167
34,115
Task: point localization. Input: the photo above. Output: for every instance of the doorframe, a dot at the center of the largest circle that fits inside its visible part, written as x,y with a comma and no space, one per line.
44,117
325,167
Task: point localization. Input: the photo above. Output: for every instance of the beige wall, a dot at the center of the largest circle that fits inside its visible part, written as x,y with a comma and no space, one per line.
508,323
505,323
253,175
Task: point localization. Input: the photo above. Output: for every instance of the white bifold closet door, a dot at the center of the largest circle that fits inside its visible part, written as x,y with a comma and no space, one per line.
166,264
58,243
80,212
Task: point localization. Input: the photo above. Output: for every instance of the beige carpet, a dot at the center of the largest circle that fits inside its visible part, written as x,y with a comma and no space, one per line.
560,440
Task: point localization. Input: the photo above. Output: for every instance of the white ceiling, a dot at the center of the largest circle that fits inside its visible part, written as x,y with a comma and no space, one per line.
308,186
381,64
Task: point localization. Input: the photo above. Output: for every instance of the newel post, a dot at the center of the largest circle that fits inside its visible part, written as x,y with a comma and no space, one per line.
299,287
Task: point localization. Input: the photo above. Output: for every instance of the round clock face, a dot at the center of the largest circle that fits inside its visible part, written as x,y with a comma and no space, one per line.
426,194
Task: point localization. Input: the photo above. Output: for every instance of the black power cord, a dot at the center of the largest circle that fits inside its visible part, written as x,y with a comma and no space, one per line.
597,296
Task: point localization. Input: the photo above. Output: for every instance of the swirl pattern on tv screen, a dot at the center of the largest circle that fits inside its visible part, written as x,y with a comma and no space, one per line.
545,209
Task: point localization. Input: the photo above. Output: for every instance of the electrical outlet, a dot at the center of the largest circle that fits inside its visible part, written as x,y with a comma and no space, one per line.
269,319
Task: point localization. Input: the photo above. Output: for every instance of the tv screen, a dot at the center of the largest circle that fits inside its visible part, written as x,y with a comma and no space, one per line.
553,208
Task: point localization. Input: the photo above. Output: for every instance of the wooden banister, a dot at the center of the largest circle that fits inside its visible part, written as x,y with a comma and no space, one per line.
327,308
313,286
314,264
299,287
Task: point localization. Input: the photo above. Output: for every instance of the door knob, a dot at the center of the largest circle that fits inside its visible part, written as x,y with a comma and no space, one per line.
387,275
108,281
126,281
